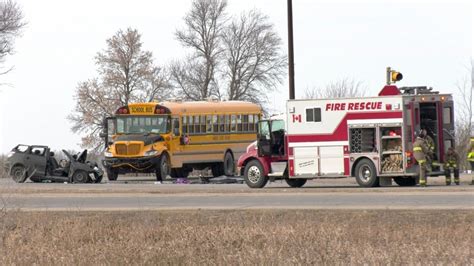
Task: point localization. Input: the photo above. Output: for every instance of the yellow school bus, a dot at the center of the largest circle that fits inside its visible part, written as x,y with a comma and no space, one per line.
173,138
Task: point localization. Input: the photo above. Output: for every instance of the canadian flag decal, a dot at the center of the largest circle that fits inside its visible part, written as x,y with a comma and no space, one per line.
297,118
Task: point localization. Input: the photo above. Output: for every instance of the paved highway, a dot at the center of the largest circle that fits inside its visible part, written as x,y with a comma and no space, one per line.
291,200
146,195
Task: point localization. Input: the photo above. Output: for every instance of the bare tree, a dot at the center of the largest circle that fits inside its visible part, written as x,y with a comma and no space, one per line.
188,77
126,74
337,89
11,23
204,22
464,114
254,63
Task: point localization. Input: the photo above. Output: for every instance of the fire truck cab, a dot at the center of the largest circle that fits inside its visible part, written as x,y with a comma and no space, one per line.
369,138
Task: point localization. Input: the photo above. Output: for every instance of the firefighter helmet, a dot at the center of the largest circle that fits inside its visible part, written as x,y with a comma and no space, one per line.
420,133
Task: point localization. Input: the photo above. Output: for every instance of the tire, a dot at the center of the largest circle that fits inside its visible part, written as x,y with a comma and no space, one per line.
98,179
112,175
80,177
366,174
18,173
405,181
253,175
164,167
296,182
229,164
35,179
217,170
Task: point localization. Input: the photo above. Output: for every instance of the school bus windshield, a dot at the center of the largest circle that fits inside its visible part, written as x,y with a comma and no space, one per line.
157,124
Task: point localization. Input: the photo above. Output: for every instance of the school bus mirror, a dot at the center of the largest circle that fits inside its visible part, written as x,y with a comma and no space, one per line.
103,134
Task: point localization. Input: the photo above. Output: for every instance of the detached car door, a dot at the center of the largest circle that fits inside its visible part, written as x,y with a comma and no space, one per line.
36,161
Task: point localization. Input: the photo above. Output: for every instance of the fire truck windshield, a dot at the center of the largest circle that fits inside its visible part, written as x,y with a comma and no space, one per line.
278,125
157,124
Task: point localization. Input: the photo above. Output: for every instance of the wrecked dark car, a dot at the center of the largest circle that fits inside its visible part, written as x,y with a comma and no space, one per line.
37,163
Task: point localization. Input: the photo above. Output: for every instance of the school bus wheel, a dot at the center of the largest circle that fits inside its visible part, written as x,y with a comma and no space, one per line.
164,167
229,164
112,174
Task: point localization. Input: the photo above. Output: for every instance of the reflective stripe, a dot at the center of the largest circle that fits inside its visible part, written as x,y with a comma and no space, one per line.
421,161
422,182
417,149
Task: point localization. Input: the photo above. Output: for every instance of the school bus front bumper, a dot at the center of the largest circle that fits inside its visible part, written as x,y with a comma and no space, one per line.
140,164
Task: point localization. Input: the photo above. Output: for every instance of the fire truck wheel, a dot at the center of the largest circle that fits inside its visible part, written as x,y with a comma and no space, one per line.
405,181
253,175
295,182
111,174
365,174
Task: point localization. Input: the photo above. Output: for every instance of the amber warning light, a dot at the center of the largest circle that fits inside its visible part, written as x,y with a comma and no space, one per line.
393,76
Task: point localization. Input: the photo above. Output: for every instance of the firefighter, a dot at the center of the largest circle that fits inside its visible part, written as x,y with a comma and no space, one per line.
430,160
470,158
420,152
451,162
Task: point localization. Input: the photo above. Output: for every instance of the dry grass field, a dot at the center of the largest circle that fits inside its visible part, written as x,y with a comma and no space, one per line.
237,237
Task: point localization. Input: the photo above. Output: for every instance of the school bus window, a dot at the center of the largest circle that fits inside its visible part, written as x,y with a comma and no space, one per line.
251,125
239,123
197,127
175,125
226,123
221,123
208,123
246,123
120,125
203,123
190,124
184,125
233,123
215,125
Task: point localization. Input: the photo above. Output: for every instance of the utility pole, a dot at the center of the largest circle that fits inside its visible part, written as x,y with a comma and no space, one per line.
291,59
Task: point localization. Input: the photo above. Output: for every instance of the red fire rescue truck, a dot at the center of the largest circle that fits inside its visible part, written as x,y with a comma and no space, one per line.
369,138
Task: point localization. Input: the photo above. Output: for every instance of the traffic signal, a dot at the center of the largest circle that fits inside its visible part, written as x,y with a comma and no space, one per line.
393,76
396,76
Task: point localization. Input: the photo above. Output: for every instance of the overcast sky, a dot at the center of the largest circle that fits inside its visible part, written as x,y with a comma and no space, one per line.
430,42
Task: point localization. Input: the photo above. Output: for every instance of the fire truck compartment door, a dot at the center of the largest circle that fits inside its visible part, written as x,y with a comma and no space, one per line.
332,160
448,125
415,119
306,160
